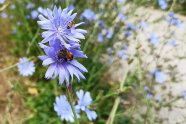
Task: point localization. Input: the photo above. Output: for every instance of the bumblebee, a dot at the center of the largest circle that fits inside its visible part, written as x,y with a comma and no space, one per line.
65,54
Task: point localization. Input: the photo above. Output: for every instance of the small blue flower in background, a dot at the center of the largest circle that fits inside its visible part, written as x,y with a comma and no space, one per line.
14,32
110,62
154,39
130,26
84,101
146,88
25,67
122,55
122,17
71,7
125,47
28,16
128,33
121,1
149,96
159,76
59,65
143,25
57,26
100,37
63,109
109,33
34,14
101,24
172,19
13,6
178,23
158,98
2,1
18,23
162,4
88,14
11,16
184,94
30,5
4,15
172,42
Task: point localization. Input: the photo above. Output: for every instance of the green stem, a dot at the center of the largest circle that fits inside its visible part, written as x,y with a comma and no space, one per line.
72,106
117,100
12,66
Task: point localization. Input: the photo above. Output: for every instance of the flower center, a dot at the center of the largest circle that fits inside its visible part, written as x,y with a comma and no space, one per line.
60,30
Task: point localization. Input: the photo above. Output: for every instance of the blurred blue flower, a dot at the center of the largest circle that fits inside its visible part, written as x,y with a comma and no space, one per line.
14,32
149,96
4,15
154,39
143,25
18,23
63,109
184,94
121,1
13,6
177,23
88,14
30,5
28,16
110,61
172,42
122,55
162,4
100,37
84,101
172,19
57,26
158,98
146,88
125,47
159,76
25,67
60,65
128,33
130,26
2,1
71,7
122,17
109,33
34,14
11,16
101,24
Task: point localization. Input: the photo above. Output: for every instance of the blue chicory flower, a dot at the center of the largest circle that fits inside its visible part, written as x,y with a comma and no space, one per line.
109,33
13,6
88,14
18,23
25,67
63,109
84,101
56,25
30,5
128,33
2,1
172,19
149,96
154,39
122,17
100,37
71,7
60,65
184,94
34,14
162,4
159,76
143,25
42,11
4,15
172,42
122,55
